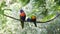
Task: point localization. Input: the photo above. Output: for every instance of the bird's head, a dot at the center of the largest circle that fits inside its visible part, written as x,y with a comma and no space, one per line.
21,11
33,17
29,19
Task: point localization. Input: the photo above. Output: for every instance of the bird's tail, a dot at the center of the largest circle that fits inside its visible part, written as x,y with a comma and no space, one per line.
22,24
35,24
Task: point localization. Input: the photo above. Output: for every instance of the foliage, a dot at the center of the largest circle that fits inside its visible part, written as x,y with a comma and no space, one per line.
39,3
54,27
43,9
24,2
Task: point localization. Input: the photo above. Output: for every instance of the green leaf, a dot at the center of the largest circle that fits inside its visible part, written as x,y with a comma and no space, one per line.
3,4
39,3
24,2
1,12
45,12
57,2
48,17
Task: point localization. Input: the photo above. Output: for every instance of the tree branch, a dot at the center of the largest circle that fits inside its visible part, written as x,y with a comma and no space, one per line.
36,21
11,17
49,20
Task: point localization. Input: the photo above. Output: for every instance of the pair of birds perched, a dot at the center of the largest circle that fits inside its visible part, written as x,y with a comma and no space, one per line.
23,17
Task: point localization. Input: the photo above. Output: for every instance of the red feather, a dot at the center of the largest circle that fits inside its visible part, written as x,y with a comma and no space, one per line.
22,14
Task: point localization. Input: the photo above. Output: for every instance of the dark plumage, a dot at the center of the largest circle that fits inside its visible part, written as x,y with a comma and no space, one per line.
29,19
33,19
22,18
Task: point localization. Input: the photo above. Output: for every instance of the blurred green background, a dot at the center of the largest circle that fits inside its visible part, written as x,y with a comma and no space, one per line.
30,7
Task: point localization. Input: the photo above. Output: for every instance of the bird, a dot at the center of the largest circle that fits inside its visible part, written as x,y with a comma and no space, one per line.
33,19
22,17
29,19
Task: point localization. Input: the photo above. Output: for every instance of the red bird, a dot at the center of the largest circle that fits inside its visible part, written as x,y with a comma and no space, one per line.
22,17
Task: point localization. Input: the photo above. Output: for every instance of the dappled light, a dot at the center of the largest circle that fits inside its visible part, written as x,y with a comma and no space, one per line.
29,16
